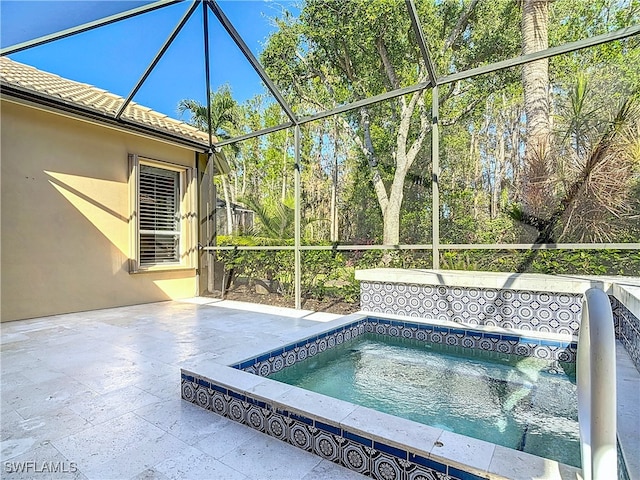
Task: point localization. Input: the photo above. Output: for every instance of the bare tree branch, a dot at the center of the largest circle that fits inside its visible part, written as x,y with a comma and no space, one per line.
388,66
469,108
460,27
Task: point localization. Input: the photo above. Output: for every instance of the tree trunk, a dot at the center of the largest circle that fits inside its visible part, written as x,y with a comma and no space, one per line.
515,158
391,214
244,177
477,174
535,80
334,190
233,187
498,174
390,202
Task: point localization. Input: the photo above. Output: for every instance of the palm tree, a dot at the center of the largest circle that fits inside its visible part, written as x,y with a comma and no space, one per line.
225,113
226,120
535,82
276,220
603,149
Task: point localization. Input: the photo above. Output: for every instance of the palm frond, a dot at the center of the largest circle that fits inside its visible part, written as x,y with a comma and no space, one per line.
275,221
226,118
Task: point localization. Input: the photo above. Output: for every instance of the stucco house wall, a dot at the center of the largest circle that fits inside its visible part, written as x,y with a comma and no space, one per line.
65,216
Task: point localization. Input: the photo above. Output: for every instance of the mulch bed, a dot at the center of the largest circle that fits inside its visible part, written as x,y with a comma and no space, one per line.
244,293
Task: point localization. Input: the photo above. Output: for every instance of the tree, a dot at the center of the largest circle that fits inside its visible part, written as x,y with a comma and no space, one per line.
593,109
504,136
535,81
340,52
225,121
276,221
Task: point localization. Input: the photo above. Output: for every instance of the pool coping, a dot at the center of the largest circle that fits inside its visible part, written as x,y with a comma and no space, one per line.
559,283
423,444
628,410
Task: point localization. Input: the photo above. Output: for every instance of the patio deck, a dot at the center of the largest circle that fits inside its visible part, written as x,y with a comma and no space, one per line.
97,394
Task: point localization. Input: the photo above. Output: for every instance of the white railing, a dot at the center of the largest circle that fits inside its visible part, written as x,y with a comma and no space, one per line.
596,380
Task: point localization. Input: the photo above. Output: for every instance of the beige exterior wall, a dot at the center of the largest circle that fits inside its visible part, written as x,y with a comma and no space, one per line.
65,211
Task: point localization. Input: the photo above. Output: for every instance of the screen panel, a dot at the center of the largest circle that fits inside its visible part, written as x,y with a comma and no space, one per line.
546,165
25,21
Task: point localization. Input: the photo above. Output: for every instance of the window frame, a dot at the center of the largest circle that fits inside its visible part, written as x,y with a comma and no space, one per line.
187,245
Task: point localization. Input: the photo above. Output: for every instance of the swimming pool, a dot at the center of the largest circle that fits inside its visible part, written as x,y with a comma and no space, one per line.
504,399
360,438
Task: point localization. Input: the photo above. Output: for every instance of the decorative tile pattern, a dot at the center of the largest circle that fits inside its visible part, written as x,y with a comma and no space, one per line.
542,312
519,309
464,338
364,455
623,473
627,327
331,442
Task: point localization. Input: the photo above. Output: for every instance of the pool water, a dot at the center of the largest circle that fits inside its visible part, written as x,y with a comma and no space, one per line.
523,403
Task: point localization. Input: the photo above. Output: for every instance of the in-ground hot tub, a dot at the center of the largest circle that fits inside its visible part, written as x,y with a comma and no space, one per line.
365,440
524,403
362,439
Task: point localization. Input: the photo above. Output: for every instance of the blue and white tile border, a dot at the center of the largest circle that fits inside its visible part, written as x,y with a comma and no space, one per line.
503,343
524,302
329,440
515,309
627,329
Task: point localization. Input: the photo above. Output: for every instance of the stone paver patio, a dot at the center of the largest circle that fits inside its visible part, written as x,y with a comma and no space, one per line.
97,395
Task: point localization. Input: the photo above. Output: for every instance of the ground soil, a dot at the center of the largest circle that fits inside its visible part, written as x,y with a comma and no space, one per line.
244,293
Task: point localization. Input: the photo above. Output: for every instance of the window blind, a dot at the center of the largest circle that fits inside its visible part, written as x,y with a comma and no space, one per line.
159,200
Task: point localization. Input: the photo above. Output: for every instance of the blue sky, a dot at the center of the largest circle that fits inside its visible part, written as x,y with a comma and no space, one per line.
113,57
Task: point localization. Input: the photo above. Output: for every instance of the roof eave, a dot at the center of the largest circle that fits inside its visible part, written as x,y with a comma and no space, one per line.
60,105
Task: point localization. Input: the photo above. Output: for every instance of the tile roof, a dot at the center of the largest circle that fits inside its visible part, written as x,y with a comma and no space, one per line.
87,97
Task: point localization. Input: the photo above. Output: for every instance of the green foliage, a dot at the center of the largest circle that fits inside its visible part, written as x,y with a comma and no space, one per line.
225,114
274,221
275,267
325,273
362,223
458,260
331,55
244,241
553,262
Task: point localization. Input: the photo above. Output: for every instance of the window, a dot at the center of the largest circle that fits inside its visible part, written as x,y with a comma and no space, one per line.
161,220
159,201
